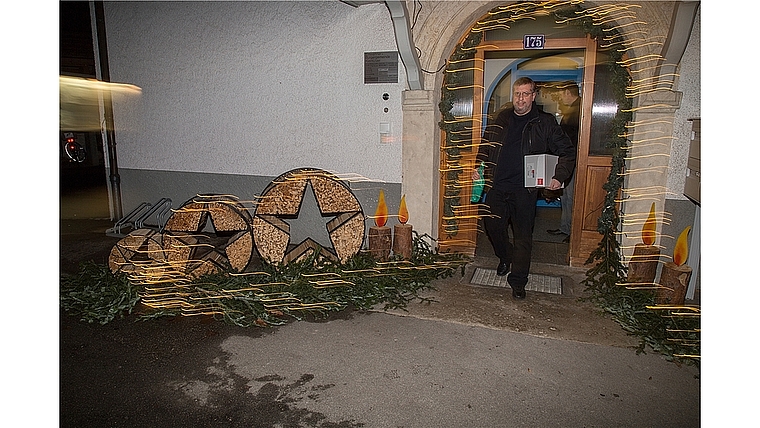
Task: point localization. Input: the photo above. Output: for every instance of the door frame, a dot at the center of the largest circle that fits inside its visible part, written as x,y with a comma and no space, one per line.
582,241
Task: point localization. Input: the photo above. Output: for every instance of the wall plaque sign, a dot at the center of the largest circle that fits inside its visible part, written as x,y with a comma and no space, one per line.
380,67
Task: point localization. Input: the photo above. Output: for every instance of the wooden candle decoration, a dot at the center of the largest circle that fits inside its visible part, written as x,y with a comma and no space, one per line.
380,239
642,268
675,275
402,233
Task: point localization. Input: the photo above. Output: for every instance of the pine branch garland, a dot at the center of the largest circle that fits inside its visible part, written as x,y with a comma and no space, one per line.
272,295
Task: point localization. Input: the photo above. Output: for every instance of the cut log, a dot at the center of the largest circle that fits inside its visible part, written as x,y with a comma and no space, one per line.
227,243
380,242
283,196
674,281
141,246
238,250
642,269
347,234
402,240
333,197
271,236
190,217
307,249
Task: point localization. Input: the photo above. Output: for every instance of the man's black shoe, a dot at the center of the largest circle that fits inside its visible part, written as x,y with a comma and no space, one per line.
555,232
503,269
518,294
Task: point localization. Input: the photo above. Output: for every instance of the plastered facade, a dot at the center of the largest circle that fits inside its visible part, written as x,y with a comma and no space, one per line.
254,88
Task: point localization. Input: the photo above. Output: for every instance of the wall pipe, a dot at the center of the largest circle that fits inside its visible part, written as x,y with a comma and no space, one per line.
681,25
107,123
405,43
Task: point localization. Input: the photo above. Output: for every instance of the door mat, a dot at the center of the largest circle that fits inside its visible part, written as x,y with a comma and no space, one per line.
538,283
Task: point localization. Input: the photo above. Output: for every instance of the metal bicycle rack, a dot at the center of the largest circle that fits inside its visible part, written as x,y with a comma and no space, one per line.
137,218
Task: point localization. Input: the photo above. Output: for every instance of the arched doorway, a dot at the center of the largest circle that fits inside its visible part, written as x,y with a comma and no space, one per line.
478,83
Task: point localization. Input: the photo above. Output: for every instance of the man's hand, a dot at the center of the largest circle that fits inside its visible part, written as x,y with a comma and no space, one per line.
475,174
554,185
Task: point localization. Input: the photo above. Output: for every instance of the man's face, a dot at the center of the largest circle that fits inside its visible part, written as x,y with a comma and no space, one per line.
566,97
522,98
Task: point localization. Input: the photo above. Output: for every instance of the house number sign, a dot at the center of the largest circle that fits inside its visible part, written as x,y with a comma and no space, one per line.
534,41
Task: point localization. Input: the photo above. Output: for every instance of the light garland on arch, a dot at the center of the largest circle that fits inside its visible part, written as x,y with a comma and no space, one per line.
672,332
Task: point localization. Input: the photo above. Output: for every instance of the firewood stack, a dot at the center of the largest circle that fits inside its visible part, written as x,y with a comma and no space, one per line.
282,200
206,234
212,232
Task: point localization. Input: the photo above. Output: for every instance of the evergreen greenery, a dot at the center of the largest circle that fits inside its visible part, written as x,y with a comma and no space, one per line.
96,295
271,295
459,74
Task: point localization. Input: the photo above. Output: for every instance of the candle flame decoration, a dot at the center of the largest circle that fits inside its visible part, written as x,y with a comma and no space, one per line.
649,228
681,252
403,213
381,214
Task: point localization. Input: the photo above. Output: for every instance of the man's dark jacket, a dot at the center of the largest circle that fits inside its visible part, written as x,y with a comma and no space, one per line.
541,135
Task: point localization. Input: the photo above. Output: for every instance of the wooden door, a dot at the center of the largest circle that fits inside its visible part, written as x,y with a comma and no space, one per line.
592,171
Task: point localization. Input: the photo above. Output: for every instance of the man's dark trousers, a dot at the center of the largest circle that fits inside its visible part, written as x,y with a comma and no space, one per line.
517,207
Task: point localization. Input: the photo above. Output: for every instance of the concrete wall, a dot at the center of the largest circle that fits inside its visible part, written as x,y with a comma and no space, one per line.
253,88
688,83
680,209
237,93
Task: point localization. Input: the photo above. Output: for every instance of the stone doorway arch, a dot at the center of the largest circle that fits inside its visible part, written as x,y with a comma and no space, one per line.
442,26
437,30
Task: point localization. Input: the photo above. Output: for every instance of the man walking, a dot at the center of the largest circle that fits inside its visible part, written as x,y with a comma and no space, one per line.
519,130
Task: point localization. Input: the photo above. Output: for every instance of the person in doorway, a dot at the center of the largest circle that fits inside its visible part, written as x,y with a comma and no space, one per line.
518,130
570,107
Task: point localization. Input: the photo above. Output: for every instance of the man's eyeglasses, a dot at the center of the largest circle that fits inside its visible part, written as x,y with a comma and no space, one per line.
522,94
